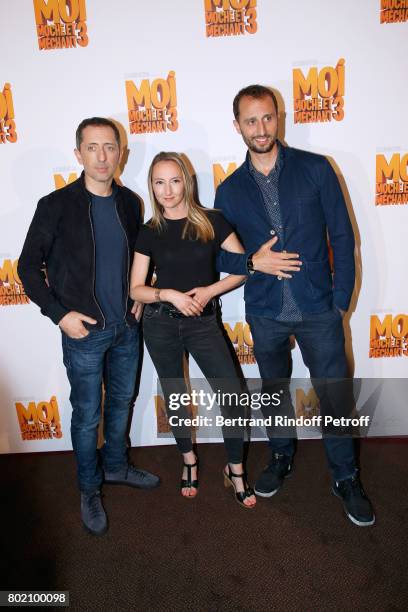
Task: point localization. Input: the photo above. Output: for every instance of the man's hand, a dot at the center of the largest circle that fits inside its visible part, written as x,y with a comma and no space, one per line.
137,310
201,294
72,324
278,263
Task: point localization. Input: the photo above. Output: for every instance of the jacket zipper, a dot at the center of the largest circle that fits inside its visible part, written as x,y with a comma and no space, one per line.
128,260
94,259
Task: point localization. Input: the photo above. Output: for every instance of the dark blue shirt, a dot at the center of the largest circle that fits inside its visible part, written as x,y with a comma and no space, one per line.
269,186
110,258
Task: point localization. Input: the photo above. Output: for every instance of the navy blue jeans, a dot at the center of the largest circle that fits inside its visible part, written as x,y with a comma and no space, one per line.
108,356
321,341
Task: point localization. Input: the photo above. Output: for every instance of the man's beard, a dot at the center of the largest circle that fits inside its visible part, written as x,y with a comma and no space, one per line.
259,149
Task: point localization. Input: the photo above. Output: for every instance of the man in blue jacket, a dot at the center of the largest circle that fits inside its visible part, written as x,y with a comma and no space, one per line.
83,236
294,197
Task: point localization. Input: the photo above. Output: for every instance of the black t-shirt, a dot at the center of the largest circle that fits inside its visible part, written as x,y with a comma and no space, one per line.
183,264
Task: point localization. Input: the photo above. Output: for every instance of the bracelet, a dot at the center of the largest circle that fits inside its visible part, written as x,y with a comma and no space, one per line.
250,264
157,295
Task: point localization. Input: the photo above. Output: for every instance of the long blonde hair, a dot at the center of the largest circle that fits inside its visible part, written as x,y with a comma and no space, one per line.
198,226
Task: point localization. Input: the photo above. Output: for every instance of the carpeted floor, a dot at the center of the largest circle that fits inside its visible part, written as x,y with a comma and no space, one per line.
295,551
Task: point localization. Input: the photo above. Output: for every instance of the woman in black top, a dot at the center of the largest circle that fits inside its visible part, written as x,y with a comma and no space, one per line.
182,240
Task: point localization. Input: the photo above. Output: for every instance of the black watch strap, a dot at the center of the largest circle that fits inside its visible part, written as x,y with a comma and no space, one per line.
250,264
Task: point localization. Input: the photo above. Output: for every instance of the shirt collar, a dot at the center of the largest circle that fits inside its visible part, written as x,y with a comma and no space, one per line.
115,190
275,170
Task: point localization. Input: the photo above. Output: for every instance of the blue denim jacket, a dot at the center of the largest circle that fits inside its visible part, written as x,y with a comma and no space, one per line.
312,210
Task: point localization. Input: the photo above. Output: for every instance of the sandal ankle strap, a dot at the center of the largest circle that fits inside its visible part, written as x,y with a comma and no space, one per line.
232,475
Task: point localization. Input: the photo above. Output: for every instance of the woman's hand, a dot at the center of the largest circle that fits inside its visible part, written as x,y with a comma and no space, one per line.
137,310
185,303
202,294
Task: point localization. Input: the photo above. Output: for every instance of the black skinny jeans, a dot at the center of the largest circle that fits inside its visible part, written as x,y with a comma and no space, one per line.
167,339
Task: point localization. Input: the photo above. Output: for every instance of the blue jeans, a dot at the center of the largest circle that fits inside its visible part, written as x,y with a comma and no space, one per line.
108,356
321,341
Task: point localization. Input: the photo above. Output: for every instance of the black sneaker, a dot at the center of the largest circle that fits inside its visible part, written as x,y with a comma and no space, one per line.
272,477
356,504
92,513
132,477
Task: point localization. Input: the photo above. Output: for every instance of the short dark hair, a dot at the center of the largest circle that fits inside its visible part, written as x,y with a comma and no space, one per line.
253,91
95,121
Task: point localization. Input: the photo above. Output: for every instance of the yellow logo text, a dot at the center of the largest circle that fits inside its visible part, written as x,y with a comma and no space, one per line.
230,17
39,421
7,124
241,338
319,96
393,11
61,24
11,288
391,177
220,174
389,336
152,107
61,182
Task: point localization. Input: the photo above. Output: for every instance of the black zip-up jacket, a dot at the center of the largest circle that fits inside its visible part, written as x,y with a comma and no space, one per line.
60,240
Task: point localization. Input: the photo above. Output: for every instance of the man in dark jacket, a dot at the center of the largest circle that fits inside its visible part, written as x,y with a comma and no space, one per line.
295,197
82,237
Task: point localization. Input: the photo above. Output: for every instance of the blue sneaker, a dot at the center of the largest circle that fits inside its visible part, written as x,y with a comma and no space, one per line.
356,504
93,514
273,475
132,477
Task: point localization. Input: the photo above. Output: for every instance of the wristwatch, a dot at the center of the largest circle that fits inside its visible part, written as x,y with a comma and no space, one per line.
250,264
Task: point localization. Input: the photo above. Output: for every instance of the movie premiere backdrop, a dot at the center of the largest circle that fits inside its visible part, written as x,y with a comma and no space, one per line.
167,71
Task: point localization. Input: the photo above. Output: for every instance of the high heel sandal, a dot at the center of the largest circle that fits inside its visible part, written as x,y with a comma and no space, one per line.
240,496
188,483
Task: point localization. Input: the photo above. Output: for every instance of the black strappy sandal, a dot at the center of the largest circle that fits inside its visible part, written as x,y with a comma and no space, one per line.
242,495
188,483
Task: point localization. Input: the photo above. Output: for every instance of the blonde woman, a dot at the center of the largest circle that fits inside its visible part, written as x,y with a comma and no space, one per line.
182,241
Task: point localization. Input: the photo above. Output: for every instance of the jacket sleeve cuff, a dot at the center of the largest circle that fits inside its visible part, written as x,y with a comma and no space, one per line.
55,312
233,263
